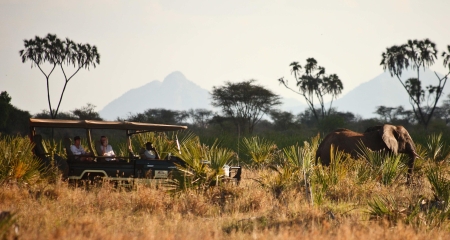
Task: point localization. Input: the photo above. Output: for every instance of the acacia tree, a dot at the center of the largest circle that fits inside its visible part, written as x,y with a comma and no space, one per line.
414,55
86,112
158,115
313,84
58,53
200,117
244,102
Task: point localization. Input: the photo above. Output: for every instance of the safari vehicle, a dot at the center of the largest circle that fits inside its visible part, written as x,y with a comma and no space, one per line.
129,166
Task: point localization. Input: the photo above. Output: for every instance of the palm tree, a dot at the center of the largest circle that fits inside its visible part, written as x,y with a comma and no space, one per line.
314,84
416,54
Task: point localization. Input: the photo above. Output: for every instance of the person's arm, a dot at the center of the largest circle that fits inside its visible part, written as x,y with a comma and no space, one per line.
156,153
82,150
74,150
111,151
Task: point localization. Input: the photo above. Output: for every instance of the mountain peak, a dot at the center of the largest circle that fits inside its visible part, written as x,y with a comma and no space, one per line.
175,76
176,92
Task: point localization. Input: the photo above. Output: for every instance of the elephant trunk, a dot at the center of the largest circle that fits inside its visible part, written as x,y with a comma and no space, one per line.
411,151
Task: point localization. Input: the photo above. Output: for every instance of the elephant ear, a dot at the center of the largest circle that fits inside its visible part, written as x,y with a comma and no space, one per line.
390,137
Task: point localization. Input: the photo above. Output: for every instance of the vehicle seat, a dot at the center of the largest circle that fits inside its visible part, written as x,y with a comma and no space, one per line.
41,152
141,153
39,148
98,148
67,144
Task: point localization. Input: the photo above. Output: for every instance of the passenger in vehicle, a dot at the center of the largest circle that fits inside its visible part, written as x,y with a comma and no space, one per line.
105,150
150,152
78,151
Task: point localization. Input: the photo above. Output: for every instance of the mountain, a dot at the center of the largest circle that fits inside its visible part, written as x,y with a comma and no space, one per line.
175,92
383,90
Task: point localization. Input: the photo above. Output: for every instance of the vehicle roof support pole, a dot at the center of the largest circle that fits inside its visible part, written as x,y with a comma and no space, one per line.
89,141
130,148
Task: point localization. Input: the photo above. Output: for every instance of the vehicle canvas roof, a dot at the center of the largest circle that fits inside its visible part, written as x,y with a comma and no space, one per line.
94,124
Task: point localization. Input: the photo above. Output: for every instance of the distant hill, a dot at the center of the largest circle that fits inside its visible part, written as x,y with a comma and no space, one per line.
383,90
175,93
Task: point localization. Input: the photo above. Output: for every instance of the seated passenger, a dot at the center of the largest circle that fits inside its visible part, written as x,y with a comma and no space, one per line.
150,152
78,150
105,150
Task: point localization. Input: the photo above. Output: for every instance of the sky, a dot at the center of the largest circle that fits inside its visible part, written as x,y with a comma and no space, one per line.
209,41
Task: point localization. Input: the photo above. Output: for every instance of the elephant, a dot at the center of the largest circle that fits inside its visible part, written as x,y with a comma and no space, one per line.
394,139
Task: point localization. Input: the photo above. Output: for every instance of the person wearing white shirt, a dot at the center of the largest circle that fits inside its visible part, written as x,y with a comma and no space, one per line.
78,150
150,152
105,149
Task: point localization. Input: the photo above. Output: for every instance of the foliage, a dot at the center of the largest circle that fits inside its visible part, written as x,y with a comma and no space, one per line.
260,150
58,53
436,149
6,222
384,165
303,159
203,164
279,180
200,117
386,208
440,185
416,54
392,114
17,162
273,206
244,102
13,121
315,84
86,112
164,143
5,100
282,120
326,177
158,115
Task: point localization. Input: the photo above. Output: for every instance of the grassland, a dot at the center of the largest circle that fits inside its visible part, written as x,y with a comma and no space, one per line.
287,197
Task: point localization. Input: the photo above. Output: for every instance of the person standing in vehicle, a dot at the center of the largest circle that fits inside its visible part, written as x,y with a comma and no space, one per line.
105,149
78,150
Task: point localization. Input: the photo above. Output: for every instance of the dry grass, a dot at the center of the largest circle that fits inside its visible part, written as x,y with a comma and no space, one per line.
62,211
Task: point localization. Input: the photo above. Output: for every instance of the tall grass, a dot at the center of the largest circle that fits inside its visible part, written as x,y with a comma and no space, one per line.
204,164
351,200
164,143
260,150
17,162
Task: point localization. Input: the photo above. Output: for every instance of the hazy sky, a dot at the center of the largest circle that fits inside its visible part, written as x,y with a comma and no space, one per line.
209,42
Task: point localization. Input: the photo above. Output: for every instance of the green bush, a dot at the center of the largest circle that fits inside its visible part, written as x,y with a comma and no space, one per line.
261,151
17,162
203,164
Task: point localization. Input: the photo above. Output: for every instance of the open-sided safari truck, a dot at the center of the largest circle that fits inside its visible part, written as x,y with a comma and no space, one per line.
128,165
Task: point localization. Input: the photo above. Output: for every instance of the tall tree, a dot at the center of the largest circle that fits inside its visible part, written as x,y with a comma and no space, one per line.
5,108
282,120
58,53
200,117
12,120
86,113
313,84
244,102
416,54
158,115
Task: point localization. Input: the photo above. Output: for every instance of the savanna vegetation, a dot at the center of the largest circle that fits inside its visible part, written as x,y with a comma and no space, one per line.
283,194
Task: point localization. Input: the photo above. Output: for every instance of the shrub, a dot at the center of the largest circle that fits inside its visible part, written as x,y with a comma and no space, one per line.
17,162
260,150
